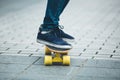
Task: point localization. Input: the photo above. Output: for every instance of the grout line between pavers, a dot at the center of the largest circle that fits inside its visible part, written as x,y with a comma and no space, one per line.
74,71
25,69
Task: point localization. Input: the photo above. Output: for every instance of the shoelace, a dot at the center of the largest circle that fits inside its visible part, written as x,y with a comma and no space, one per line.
58,30
60,26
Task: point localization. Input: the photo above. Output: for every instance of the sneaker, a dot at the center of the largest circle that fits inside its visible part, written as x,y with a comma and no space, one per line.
61,34
48,37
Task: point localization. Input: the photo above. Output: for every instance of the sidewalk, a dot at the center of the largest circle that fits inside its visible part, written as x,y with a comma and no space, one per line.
96,54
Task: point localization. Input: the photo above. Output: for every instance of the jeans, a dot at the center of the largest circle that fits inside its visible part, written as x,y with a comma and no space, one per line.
53,12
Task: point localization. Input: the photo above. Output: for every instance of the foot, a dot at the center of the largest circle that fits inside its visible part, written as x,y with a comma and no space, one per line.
48,37
61,34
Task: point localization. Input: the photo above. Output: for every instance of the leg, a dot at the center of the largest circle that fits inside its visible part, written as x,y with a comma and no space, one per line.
53,12
48,30
64,2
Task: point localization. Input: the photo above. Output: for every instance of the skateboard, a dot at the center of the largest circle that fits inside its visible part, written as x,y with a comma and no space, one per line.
56,55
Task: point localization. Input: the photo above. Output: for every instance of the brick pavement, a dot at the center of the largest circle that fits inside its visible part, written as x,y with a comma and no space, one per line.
96,53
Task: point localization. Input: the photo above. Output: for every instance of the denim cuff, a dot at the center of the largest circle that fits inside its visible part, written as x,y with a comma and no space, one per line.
47,27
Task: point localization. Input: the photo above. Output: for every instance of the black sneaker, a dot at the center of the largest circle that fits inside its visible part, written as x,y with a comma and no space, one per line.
61,34
48,37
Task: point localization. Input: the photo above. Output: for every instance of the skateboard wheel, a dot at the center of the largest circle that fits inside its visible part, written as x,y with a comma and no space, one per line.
66,60
48,60
47,51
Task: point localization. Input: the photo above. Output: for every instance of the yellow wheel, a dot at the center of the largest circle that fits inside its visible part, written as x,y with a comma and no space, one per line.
47,51
66,60
48,60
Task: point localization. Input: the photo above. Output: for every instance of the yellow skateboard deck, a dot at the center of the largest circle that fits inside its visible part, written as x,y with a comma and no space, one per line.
54,55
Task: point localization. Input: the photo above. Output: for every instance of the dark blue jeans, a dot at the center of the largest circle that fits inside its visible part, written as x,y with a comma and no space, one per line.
53,12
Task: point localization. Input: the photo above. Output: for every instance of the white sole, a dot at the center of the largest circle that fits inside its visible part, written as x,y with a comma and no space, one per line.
69,40
51,44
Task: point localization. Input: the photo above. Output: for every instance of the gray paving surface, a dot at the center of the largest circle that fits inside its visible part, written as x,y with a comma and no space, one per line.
96,54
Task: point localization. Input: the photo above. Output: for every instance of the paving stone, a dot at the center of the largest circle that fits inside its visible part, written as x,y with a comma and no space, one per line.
75,52
3,48
101,56
99,72
95,78
42,72
53,70
12,54
39,77
105,52
116,57
9,52
7,76
103,63
17,59
12,68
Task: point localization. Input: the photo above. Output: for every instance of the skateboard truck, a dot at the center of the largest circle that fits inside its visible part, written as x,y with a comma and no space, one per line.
59,56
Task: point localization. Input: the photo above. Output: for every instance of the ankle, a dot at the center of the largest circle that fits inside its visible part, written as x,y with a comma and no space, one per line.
46,27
